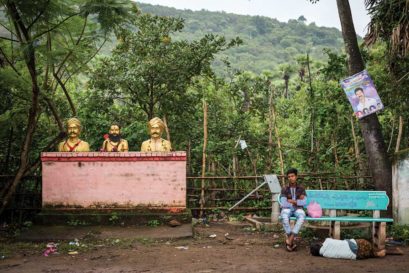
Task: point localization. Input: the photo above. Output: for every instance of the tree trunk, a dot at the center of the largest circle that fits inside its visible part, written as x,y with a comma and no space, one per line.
7,160
375,147
29,57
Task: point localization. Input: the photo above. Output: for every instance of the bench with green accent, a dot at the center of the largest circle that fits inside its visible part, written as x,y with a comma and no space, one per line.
334,200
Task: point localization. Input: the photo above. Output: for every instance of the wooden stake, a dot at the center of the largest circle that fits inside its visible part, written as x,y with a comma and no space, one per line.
357,152
270,135
273,114
399,134
166,128
391,138
202,197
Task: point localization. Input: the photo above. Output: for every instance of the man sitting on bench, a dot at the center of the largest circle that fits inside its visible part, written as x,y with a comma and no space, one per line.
292,199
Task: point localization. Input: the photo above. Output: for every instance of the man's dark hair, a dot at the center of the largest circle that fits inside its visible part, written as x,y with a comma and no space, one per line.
116,124
315,248
358,89
292,170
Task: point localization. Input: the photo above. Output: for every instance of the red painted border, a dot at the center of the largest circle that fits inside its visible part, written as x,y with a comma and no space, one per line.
103,156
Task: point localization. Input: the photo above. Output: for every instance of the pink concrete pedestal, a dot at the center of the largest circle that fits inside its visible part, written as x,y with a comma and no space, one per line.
94,180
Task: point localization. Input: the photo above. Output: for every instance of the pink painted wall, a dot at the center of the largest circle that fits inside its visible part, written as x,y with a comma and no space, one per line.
95,180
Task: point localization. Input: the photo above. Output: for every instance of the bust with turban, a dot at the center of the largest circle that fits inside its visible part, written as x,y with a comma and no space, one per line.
156,143
73,143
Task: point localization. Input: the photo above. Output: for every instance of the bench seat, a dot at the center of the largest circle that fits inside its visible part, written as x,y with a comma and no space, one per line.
335,200
348,219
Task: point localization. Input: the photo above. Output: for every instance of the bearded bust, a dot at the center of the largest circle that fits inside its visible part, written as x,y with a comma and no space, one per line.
73,143
114,142
156,144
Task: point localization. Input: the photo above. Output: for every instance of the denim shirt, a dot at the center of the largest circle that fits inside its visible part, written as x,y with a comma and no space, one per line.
294,194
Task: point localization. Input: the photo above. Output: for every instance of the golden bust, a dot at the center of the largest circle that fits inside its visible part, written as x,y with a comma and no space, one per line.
114,142
156,143
73,143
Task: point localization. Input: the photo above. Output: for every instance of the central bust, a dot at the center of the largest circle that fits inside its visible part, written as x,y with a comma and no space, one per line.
156,143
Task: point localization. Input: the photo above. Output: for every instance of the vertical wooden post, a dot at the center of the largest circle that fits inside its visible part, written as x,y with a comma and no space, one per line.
270,135
378,232
202,197
391,138
335,226
166,128
188,157
399,134
254,165
275,208
280,153
357,153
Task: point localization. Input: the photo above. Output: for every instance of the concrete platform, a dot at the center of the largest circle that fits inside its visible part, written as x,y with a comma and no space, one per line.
55,233
110,216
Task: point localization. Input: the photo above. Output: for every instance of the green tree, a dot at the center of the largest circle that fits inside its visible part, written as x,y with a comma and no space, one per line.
32,49
148,69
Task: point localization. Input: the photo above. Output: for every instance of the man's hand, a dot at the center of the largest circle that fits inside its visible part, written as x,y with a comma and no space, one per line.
291,201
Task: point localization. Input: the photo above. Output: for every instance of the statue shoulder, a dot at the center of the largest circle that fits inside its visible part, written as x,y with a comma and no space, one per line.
61,146
167,145
145,146
124,145
146,142
83,147
166,142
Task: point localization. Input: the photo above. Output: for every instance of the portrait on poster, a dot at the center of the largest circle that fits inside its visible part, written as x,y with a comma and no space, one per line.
362,94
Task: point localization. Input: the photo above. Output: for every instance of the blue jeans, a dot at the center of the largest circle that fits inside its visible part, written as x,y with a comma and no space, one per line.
285,218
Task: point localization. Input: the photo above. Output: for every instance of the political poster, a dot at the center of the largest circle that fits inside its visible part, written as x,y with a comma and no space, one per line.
362,94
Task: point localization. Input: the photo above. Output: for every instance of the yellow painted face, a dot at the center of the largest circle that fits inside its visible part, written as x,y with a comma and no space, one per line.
73,130
155,131
114,130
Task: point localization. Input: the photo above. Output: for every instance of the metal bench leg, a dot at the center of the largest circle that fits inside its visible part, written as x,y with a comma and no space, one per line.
335,230
379,235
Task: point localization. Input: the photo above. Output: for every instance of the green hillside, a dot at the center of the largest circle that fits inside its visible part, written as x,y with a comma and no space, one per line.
267,42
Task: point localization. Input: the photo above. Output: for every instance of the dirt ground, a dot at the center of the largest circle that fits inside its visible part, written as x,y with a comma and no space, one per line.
235,248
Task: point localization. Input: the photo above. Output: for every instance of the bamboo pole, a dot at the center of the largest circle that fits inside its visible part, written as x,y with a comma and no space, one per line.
399,134
391,138
166,128
270,134
202,197
356,151
253,163
280,153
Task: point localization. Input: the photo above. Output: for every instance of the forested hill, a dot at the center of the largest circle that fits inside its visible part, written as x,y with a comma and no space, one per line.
267,42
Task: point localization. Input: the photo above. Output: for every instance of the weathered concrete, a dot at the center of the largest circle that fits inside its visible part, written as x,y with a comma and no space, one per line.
114,180
400,184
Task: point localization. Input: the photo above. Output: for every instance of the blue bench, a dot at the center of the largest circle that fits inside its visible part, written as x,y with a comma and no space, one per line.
334,200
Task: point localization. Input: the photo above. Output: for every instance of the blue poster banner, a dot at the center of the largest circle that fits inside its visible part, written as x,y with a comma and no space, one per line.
362,94
356,200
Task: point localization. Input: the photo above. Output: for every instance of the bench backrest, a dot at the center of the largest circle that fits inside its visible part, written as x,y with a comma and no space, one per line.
349,200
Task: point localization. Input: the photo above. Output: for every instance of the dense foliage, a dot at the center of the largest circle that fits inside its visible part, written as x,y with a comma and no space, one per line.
280,88
267,42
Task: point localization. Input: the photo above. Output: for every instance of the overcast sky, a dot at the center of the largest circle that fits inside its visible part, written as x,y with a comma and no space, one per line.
324,13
